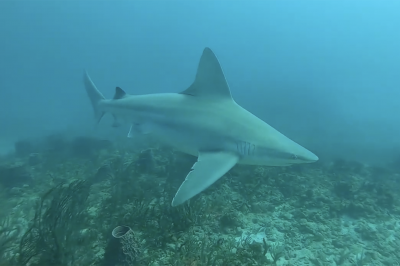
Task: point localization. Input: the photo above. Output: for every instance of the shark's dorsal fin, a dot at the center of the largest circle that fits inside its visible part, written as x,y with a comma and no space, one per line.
119,93
210,81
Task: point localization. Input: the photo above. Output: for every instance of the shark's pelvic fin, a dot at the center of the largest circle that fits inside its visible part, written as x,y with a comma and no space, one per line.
116,122
119,93
210,166
95,96
210,81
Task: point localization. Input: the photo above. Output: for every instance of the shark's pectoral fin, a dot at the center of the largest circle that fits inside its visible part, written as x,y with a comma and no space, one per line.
210,166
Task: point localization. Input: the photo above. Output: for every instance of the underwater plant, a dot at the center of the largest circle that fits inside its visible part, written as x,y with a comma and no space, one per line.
276,251
8,235
54,233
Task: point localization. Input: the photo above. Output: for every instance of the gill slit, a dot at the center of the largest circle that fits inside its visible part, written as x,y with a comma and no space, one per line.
245,148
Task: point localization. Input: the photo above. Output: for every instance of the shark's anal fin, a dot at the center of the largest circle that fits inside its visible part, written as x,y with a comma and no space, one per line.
210,166
138,128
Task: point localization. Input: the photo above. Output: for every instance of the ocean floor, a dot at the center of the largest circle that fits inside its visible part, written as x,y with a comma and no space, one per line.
92,202
6,147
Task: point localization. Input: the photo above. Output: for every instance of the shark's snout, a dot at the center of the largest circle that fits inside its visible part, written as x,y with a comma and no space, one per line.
299,154
314,158
308,157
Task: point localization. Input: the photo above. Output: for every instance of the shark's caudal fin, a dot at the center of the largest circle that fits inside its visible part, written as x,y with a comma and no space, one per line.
210,81
95,96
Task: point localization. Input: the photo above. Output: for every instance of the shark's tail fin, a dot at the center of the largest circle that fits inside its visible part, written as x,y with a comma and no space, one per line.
95,96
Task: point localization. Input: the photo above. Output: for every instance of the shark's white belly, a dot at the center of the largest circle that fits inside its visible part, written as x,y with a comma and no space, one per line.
187,138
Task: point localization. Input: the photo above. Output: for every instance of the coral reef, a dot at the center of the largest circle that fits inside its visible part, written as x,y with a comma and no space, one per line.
87,202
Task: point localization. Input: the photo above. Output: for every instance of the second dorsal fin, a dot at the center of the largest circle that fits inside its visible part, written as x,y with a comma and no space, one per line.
119,93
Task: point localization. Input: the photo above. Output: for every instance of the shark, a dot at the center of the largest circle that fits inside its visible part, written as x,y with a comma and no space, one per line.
204,121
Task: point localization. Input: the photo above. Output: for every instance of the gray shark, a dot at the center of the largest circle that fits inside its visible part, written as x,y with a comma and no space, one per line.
204,121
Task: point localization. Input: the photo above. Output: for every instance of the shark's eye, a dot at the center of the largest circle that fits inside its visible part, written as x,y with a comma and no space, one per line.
294,156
